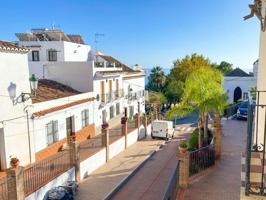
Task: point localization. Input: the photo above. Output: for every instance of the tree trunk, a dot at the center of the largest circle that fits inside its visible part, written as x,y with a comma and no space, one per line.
199,127
206,122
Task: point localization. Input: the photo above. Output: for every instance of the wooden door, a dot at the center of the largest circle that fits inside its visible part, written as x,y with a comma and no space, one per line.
70,127
102,92
110,89
117,87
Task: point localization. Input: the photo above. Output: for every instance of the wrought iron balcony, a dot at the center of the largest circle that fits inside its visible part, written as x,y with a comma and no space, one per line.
256,141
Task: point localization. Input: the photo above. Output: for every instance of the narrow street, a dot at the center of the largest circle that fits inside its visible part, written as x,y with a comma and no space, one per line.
150,182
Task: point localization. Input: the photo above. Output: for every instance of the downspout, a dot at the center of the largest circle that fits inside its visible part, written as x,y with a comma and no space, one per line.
28,129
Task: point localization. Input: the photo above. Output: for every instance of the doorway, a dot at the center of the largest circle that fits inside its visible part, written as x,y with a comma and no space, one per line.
237,94
104,116
70,127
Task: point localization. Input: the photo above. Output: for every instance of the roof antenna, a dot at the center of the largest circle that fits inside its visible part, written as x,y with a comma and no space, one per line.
96,39
54,26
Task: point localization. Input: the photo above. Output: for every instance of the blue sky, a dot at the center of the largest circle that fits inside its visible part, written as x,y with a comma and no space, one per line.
147,32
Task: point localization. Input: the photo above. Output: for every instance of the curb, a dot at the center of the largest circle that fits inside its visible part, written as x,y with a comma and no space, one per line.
111,194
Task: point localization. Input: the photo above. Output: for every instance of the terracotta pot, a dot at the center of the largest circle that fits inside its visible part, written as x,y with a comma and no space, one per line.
182,149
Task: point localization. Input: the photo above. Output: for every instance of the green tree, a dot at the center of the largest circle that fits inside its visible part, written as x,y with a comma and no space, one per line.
155,101
203,92
156,79
179,73
225,67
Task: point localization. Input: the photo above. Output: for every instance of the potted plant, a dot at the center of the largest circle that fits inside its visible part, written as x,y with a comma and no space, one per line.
123,120
14,162
183,147
105,125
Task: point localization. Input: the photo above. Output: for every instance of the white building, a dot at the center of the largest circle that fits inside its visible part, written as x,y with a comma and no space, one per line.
47,46
114,85
14,133
66,59
238,83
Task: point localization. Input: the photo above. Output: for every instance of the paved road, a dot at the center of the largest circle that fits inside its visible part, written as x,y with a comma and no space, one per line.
151,180
103,180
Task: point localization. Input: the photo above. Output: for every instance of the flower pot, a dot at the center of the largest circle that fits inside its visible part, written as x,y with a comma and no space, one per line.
123,120
182,149
105,125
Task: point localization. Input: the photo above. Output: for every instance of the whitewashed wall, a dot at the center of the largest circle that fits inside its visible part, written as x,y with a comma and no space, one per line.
60,180
77,75
231,83
39,123
66,51
13,129
116,147
92,163
141,132
132,137
149,129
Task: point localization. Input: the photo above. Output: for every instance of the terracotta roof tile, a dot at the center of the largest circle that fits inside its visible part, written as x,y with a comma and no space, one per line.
61,107
9,46
50,90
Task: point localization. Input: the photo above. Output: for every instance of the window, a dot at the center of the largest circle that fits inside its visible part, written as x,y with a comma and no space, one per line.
85,118
111,112
35,56
52,132
131,111
52,55
117,109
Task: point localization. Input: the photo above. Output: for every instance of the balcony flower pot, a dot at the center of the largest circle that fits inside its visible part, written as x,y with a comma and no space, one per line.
183,147
123,120
14,162
105,125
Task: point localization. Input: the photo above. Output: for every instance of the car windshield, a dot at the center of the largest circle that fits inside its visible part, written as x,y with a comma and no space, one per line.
244,105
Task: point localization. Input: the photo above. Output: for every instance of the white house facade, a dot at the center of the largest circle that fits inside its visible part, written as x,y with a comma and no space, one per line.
237,84
15,136
48,46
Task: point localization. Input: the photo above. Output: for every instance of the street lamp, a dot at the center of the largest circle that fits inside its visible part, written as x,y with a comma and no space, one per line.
24,96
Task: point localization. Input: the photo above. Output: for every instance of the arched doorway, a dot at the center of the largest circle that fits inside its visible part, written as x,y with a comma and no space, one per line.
237,94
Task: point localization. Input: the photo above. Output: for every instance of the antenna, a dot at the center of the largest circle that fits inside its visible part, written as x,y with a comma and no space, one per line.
96,37
54,26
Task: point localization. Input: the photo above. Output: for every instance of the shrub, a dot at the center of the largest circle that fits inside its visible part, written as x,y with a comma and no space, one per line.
183,144
193,141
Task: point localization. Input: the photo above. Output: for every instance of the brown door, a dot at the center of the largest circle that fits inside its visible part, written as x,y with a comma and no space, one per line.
117,87
110,89
102,92
70,127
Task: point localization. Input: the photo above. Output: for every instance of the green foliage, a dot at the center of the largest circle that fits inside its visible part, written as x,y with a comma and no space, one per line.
253,92
225,67
179,73
193,140
183,144
156,79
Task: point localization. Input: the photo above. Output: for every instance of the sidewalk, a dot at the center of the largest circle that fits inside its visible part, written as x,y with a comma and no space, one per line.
102,181
223,182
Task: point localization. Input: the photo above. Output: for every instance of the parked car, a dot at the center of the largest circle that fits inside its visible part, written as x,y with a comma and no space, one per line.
162,129
242,111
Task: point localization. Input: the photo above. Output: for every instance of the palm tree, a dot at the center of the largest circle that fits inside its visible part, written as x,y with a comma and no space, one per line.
157,79
203,93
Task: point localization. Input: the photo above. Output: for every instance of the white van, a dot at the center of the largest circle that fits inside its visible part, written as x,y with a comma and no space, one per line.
162,129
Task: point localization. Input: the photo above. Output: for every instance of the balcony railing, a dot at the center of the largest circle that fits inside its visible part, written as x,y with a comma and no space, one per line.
99,64
256,141
112,96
